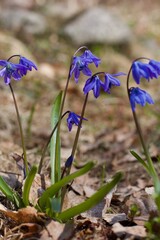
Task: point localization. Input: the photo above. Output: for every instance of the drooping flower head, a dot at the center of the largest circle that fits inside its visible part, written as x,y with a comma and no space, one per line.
111,80
72,119
91,58
11,70
144,70
139,96
80,64
14,70
27,63
156,65
95,83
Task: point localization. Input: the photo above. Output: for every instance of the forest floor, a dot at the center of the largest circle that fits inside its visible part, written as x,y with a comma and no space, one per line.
106,138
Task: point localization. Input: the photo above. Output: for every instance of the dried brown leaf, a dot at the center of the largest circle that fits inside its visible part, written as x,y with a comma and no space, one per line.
23,215
55,230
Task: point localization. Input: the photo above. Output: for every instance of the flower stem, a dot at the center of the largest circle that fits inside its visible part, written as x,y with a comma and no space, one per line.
67,169
15,55
79,127
21,130
46,146
145,149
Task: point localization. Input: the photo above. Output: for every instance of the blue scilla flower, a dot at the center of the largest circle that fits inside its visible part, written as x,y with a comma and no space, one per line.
91,58
11,70
73,118
156,65
80,64
28,64
111,80
139,96
95,84
143,70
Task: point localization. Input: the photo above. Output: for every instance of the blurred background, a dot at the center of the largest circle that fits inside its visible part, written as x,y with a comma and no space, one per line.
49,32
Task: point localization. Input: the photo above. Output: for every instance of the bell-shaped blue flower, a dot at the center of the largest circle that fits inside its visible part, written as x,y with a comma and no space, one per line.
79,65
111,80
143,70
72,119
139,96
91,58
156,65
10,70
28,64
95,84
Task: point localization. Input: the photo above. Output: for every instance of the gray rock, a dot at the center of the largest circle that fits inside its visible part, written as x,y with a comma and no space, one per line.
20,19
19,3
65,9
98,25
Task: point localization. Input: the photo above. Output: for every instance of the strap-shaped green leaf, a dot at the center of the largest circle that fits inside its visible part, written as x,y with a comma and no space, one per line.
92,201
27,185
55,141
51,191
10,194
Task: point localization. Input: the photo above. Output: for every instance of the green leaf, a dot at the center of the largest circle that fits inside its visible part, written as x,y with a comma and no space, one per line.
91,202
52,190
10,194
27,185
55,141
140,160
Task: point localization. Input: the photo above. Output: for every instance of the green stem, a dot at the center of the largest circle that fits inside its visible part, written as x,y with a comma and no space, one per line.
67,169
46,146
145,149
79,127
21,130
